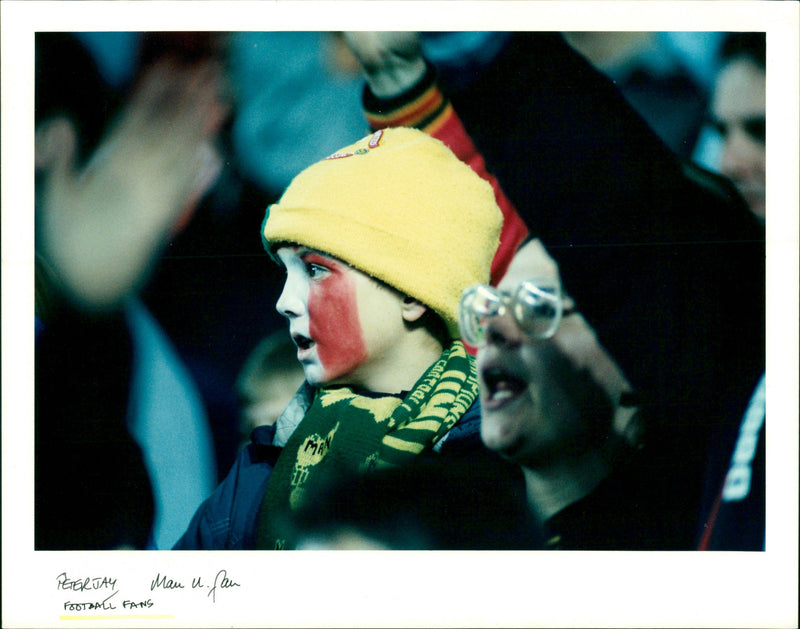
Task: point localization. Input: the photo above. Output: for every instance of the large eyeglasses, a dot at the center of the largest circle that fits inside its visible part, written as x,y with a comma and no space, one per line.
536,304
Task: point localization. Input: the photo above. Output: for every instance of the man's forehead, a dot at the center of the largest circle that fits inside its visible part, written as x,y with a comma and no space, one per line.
510,281
528,264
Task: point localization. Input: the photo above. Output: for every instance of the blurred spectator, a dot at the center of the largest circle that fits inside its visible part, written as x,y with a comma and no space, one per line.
734,145
296,95
269,379
738,115
735,503
108,193
665,76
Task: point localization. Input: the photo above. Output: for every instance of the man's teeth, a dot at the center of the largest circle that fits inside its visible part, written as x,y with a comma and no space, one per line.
503,394
501,385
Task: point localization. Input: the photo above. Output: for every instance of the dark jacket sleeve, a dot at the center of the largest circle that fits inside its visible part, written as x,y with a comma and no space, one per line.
227,519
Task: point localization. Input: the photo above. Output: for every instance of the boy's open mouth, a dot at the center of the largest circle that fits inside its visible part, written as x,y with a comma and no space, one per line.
302,342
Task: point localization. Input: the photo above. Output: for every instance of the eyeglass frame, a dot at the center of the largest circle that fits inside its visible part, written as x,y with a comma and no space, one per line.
505,302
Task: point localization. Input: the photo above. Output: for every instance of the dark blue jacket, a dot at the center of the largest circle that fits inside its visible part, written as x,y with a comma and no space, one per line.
228,519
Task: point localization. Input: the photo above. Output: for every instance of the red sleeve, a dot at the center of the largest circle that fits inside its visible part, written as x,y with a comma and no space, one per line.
514,231
426,108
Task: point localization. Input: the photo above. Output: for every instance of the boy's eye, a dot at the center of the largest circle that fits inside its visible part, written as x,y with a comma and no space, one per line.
315,271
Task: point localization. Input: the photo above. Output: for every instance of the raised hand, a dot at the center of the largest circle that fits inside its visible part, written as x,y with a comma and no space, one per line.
101,226
392,60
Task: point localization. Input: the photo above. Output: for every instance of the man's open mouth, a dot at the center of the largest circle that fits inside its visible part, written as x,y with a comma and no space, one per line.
501,386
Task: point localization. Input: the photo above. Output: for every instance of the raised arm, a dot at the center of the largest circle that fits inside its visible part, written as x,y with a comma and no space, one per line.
100,226
402,91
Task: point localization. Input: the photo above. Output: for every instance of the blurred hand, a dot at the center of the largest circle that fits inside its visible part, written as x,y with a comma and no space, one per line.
392,60
101,226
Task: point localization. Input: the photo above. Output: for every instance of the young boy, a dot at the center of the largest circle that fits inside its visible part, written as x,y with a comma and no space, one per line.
378,242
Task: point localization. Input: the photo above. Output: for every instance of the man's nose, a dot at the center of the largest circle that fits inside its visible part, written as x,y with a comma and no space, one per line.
503,331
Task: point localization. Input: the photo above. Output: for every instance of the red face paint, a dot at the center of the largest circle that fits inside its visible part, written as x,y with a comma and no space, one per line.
333,318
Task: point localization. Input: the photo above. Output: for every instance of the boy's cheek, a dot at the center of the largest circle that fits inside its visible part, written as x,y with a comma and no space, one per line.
334,325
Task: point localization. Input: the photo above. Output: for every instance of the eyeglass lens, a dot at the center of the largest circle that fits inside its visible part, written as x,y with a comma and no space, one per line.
536,305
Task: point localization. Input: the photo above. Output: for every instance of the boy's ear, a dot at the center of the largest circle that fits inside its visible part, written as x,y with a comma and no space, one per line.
413,309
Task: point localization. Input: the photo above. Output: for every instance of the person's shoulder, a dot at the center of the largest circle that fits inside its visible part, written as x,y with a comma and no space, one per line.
225,520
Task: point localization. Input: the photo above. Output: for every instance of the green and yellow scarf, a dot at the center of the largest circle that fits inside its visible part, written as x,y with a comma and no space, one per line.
345,430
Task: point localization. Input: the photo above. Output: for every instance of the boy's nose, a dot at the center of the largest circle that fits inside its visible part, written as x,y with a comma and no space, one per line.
289,304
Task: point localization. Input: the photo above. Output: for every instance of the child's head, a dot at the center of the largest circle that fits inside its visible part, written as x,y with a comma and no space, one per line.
374,238
267,381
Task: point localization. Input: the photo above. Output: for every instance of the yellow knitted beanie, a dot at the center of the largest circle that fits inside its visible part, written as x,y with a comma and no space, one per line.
401,207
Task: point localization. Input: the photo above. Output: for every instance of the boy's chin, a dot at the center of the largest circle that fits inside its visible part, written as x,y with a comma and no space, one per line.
317,377
315,380
321,381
